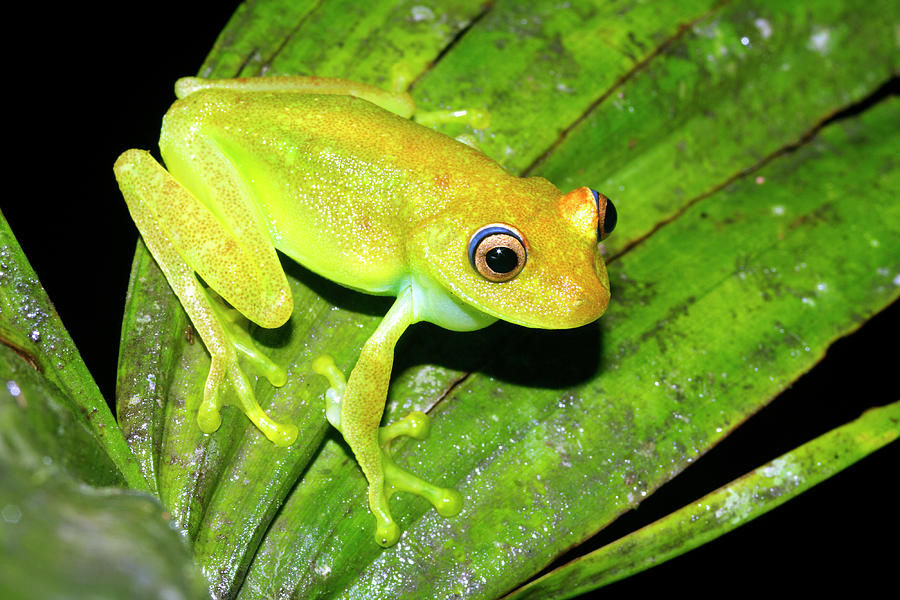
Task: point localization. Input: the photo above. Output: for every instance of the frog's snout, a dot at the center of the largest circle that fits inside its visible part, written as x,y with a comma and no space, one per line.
586,305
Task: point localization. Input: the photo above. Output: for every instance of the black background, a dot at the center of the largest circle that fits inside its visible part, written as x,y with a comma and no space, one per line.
93,83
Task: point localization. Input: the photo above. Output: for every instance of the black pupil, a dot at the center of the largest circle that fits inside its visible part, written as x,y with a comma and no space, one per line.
501,259
609,223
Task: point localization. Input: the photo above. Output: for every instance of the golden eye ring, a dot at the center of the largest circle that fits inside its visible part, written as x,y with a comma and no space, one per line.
497,252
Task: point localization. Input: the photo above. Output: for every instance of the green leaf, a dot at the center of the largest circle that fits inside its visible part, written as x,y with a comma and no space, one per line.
61,538
737,262
735,504
39,351
62,532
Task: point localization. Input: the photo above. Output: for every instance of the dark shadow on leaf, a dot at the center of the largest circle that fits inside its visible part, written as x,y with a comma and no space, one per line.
333,293
336,294
543,358
529,357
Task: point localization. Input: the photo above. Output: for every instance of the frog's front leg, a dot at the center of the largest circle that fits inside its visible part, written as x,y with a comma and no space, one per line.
355,408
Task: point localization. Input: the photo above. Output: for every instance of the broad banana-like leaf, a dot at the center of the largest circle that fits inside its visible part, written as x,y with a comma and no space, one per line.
729,271
754,230
69,526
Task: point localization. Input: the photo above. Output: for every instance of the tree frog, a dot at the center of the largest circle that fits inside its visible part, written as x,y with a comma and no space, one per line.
336,176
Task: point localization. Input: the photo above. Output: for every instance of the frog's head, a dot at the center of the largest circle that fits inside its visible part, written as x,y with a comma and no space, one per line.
531,258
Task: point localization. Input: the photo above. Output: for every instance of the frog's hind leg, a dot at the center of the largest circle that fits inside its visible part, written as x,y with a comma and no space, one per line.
397,102
164,211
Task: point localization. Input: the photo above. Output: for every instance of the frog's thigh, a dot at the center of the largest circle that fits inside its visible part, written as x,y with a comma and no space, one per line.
185,237
217,224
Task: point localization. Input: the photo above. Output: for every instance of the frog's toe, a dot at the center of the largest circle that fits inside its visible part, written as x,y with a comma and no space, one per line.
476,118
208,419
287,435
235,324
416,425
387,534
448,502
280,434
275,374
324,365
257,361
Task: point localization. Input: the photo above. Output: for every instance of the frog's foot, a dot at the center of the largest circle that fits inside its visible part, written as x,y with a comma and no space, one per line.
402,76
209,416
476,118
446,501
384,476
224,364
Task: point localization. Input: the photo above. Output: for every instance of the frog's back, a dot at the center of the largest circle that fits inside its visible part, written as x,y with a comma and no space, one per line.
340,182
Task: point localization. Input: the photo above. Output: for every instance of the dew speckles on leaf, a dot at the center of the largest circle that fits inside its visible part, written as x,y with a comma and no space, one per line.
764,27
421,13
11,514
820,41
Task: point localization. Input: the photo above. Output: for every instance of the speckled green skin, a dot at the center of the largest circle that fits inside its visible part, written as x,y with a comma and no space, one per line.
363,197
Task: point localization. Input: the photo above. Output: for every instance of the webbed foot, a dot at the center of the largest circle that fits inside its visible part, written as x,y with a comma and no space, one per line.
446,501
224,364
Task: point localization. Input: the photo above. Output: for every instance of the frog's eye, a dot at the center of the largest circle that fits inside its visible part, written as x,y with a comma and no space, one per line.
608,215
497,252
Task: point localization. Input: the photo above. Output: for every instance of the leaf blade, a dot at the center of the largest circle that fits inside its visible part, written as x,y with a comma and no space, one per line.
723,510
329,571
30,326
